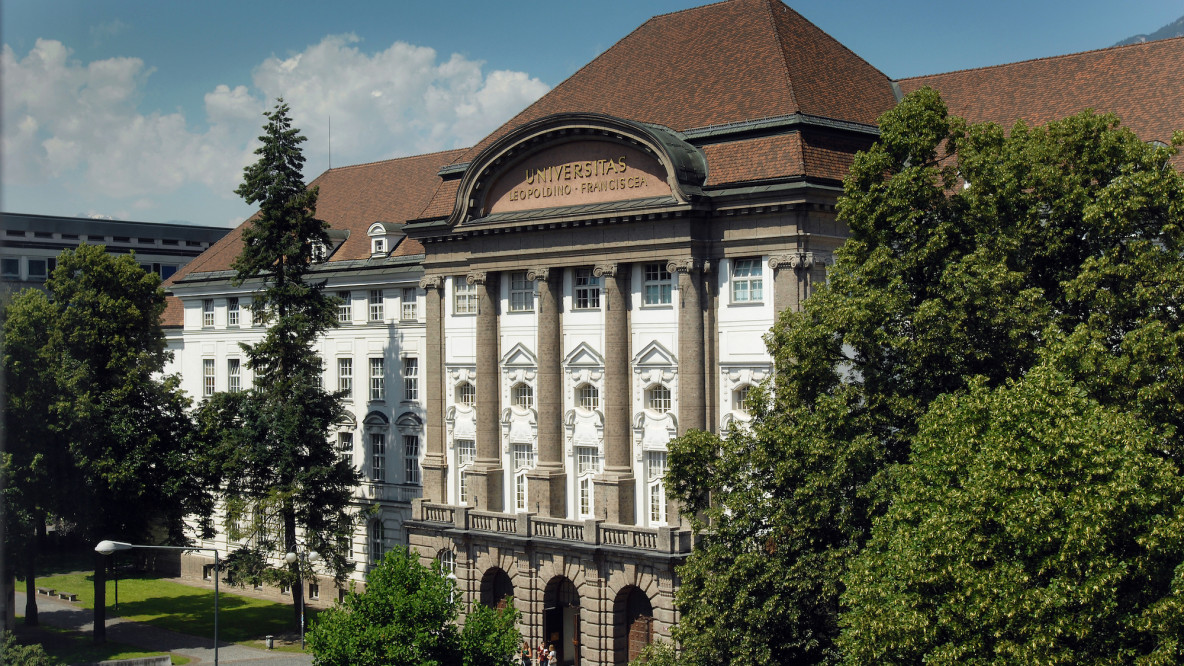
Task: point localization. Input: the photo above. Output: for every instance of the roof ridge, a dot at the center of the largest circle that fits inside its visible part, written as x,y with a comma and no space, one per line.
691,9
780,45
394,159
1146,44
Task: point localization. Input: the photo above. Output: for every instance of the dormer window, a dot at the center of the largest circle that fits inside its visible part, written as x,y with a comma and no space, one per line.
377,246
320,252
384,236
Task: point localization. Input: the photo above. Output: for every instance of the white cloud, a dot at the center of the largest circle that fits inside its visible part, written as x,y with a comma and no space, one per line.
76,128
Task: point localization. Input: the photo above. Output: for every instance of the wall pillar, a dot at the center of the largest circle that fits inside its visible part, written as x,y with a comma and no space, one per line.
794,278
435,463
547,482
692,405
486,478
615,486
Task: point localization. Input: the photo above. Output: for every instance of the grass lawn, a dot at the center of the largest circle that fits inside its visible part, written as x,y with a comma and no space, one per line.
75,647
185,609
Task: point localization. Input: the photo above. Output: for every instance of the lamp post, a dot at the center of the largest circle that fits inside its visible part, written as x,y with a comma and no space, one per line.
108,547
308,556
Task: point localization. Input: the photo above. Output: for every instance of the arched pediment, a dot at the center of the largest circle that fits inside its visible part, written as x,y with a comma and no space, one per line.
376,419
347,420
409,420
576,160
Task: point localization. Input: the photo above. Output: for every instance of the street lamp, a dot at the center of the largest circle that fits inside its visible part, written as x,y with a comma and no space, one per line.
452,589
308,556
108,547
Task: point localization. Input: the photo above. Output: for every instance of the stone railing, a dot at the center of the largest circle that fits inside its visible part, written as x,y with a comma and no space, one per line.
591,532
392,492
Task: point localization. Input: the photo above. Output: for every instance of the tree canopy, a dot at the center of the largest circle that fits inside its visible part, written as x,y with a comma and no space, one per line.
282,481
972,251
407,615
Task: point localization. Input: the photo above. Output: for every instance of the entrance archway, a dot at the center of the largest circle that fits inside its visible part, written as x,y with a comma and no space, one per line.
561,619
495,587
633,624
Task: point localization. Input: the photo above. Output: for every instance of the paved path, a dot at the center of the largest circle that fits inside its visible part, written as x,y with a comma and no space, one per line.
67,615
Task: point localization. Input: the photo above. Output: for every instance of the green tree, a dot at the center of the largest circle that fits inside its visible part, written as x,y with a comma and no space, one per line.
1031,525
407,615
280,478
96,437
970,250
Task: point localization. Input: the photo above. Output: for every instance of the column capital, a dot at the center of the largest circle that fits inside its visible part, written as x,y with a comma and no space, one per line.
431,282
538,273
685,265
477,277
796,260
601,270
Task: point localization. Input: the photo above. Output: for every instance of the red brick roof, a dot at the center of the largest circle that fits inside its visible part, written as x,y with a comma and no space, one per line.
1142,83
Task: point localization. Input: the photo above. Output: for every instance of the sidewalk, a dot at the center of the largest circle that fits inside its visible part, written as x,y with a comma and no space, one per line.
57,613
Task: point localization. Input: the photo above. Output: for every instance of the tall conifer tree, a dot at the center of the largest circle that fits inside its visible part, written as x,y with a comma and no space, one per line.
284,485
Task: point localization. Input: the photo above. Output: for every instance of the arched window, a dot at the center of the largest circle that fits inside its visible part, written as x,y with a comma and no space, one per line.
587,397
447,559
466,394
657,398
522,395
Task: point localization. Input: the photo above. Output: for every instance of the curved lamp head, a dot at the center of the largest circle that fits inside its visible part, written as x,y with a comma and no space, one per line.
290,558
107,547
314,556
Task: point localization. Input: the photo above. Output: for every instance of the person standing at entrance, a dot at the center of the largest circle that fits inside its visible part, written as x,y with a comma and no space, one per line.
551,661
543,654
525,656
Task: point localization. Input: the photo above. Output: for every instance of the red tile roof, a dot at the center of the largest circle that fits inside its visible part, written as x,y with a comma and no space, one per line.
1142,83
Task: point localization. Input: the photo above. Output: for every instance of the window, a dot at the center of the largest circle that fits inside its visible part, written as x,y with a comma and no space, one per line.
232,312
319,252
234,380
167,271
746,281
377,539
345,447
465,296
377,457
657,398
10,268
522,395
377,380
345,309
466,451
411,459
345,375
377,245
37,269
258,315
207,312
587,464
521,293
656,289
447,560
740,399
410,301
587,289
588,397
207,372
376,313
656,462
314,590
523,461
466,394
411,379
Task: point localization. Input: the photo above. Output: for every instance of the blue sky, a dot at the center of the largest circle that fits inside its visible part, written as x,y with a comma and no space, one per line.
148,110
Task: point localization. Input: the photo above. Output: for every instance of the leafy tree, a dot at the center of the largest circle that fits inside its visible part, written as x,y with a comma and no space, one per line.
1068,232
96,437
1032,525
280,477
407,615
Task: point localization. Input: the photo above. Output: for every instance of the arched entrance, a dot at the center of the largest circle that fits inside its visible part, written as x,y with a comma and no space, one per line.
561,619
495,587
633,624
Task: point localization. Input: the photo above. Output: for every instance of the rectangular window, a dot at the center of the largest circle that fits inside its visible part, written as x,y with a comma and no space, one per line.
314,591
258,315
234,381
232,312
747,285
466,452
207,371
207,312
464,297
411,459
521,293
345,447
377,380
378,457
410,302
345,309
523,457
345,375
376,297
656,288
586,496
587,289
37,270
520,492
656,464
411,379
10,268
586,460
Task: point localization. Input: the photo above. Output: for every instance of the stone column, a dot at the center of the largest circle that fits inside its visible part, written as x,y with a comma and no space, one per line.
435,463
547,482
615,486
692,407
486,477
792,277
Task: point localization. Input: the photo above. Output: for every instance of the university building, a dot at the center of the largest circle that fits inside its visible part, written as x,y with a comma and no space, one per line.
528,322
